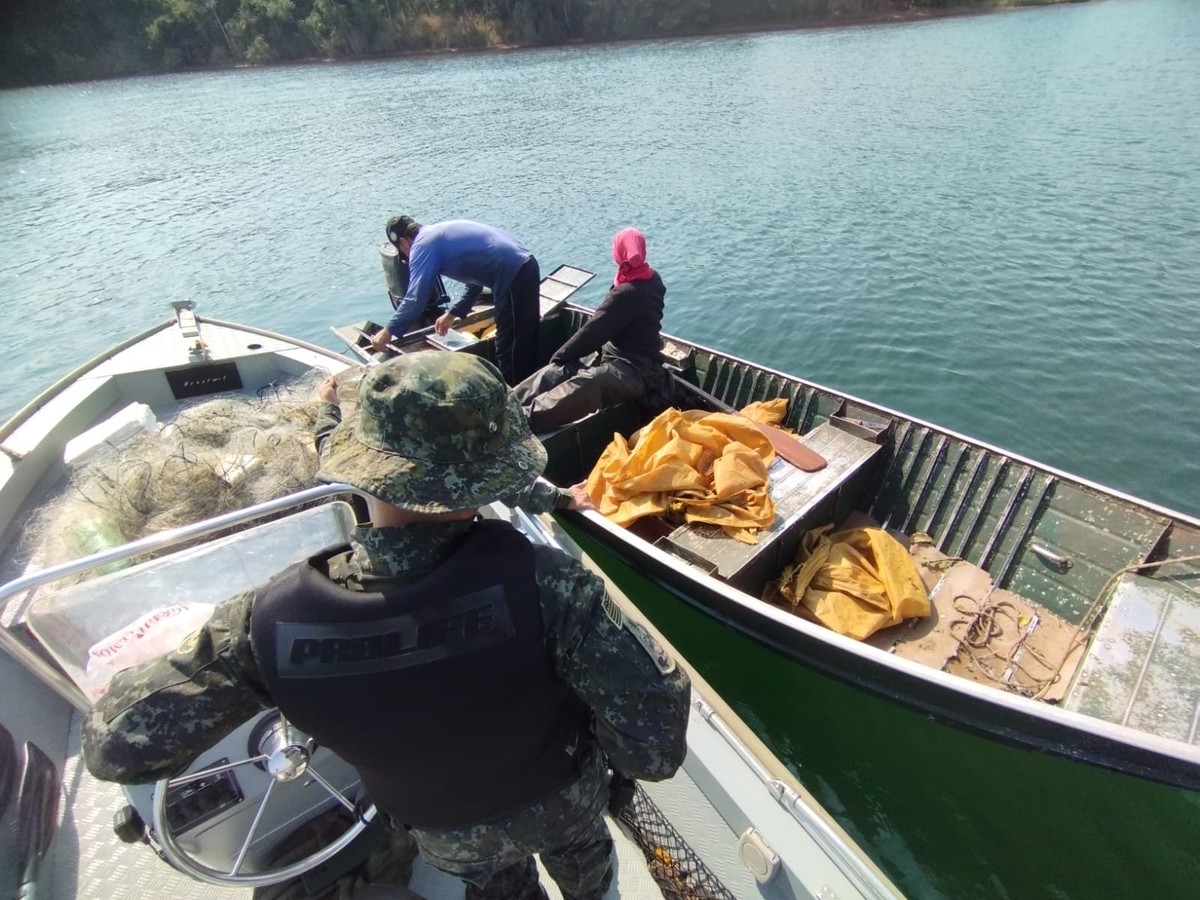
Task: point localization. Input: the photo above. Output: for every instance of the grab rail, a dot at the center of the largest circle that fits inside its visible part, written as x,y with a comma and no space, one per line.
865,881
162,540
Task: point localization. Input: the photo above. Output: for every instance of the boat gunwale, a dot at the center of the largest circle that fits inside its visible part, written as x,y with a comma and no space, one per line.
31,408
26,412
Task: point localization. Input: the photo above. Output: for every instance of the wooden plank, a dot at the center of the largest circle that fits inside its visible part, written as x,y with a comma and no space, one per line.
788,446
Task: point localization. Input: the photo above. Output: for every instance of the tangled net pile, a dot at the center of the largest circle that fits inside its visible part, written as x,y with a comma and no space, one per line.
217,455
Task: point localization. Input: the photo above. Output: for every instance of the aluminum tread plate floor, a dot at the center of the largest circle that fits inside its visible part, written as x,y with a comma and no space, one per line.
88,862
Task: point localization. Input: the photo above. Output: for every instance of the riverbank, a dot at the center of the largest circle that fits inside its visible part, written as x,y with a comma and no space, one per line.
879,17
902,14
34,50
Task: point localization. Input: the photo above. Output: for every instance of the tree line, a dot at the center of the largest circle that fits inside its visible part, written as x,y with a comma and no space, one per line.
52,41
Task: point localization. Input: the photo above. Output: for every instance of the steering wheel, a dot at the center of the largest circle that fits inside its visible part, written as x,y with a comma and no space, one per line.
285,755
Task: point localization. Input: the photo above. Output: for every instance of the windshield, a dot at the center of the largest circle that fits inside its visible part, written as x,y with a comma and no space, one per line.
99,627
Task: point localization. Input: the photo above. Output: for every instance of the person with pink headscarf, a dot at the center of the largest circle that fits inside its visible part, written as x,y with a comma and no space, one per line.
615,356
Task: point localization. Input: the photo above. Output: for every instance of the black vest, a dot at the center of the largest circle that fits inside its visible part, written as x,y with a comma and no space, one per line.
441,693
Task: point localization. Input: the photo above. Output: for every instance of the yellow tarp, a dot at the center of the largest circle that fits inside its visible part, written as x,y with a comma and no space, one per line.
693,466
855,581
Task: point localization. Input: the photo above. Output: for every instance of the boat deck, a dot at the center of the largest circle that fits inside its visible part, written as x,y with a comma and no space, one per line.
1143,668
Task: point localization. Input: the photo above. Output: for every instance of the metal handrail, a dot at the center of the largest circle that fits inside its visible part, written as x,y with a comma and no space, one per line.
162,540
866,881
864,878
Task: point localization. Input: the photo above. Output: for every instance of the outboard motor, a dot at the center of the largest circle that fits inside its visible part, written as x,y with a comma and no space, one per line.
395,272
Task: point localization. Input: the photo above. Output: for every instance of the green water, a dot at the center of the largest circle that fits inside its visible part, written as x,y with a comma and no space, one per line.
990,222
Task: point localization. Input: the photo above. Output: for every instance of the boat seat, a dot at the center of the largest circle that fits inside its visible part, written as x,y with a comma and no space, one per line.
1143,667
802,500
574,448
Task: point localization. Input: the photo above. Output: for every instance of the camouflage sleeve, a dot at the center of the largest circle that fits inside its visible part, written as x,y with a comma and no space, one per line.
158,717
329,416
638,693
541,496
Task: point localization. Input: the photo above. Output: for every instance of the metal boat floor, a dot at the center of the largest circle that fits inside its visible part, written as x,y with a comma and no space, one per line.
1143,668
88,861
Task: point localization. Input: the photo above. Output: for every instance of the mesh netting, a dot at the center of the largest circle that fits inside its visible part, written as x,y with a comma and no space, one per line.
212,456
677,869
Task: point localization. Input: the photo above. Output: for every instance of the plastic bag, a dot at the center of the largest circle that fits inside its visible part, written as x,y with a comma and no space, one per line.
148,637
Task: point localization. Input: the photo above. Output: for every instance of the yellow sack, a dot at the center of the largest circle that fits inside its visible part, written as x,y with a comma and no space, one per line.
693,465
766,412
855,581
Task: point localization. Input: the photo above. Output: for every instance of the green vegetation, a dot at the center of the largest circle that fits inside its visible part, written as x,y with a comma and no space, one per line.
49,41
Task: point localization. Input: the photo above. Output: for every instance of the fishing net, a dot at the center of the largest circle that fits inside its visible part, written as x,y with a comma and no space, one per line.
212,456
677,869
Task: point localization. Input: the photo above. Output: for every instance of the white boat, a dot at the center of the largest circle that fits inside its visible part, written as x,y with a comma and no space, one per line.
734,822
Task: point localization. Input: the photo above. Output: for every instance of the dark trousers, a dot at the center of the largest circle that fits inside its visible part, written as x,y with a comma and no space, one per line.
566,829
517,316
555,395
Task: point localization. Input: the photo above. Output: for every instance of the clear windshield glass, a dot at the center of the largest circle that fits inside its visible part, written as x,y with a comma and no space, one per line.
99,627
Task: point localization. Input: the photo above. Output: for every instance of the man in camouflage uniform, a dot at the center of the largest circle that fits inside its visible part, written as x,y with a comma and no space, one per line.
481,685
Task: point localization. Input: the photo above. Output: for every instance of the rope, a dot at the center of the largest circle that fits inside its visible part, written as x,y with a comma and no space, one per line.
1083,630
985,624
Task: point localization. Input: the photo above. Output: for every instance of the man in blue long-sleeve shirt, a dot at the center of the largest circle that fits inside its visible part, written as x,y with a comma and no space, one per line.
479,256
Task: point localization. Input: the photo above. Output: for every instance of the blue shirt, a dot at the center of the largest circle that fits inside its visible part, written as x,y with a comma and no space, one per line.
478,255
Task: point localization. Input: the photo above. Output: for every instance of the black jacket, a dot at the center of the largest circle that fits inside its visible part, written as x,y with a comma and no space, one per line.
627,325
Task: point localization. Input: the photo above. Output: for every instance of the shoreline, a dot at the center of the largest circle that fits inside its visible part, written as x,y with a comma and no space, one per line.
882,17
889,17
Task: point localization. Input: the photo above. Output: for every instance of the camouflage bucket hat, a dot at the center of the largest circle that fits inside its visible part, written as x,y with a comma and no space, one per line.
436,432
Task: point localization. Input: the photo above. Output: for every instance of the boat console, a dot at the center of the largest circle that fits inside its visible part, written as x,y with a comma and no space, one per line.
228,818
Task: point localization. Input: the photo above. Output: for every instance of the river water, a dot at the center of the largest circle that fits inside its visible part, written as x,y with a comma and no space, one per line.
990,222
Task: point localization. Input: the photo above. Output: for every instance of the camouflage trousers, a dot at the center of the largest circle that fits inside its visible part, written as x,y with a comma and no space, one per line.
566,829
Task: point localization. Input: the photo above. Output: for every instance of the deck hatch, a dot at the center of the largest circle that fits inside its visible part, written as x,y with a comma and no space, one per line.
1143,668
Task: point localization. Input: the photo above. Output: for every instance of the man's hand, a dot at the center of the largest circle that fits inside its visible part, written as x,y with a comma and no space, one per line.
327,390
580,499
444,323
381,339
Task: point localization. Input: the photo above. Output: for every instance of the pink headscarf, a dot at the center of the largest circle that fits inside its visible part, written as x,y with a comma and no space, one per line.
629,253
